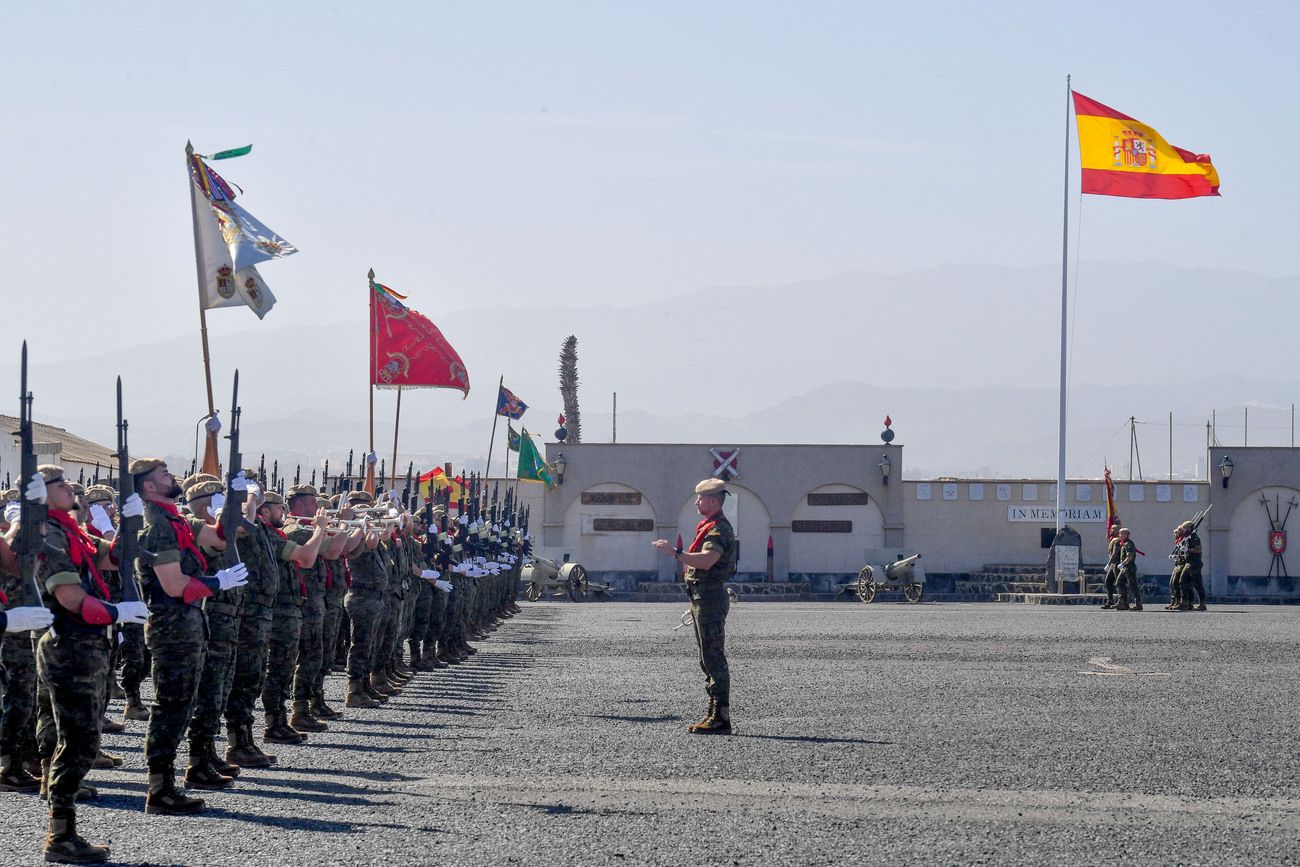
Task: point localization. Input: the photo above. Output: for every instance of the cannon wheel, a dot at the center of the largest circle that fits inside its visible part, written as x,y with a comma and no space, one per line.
914,592
866,587
578,585
533,591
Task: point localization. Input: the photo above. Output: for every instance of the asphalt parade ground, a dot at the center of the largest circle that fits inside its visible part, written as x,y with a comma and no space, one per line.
881,734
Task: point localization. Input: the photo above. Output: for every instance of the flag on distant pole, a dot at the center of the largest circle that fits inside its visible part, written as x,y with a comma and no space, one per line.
1121,156
508,405
512,438
531,466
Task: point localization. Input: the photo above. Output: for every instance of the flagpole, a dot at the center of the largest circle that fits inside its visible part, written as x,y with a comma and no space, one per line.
487,471
397,423
374,350
1065,255
211,464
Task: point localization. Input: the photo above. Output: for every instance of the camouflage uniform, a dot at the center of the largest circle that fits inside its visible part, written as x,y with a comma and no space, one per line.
72,664
707,590
224,613
1130,586
1112,571
1190,584
311,647
336,588
17,734
365,607
286,630
176,636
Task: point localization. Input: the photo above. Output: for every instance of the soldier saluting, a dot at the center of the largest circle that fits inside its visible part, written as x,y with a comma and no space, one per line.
710,563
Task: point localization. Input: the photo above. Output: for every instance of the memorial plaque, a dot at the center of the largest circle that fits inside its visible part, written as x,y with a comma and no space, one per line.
848,498
623,525
821,526
610,498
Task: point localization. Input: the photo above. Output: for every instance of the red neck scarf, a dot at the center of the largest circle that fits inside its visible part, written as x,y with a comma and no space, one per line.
81,548
701,530
184,535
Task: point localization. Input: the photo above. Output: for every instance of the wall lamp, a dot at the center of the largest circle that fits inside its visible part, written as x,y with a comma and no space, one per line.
1225,469
560,464
886,467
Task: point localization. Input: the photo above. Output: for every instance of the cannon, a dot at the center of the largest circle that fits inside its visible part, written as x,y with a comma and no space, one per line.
542,575
900,574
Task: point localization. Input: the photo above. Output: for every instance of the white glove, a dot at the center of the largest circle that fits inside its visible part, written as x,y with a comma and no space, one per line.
215,504
100,520
239,483
133,507
213,424
132,612
444,586
430,574
372,458
36,488
13,509
463,520
28,617
235,576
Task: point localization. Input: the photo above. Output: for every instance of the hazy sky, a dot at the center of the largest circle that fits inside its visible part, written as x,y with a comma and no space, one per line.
574,152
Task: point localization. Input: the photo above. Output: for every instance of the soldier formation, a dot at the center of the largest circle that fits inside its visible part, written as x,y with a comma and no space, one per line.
311,585
1123,586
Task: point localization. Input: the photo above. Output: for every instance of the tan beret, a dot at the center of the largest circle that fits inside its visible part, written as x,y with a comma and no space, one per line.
196,478
271,498
711,488
203,488
302,491
52,473
140,466
361,497
11,494
324,502
77,488
100,494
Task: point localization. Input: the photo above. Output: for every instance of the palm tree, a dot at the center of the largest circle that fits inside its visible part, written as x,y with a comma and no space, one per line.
569,387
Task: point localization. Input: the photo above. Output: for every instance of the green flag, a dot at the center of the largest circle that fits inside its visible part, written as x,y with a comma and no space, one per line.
531,466
512,437
233,152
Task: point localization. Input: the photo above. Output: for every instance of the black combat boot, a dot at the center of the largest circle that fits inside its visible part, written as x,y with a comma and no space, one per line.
321,710
201,774
230,769
63,845
414,645
164,799
379,684
278,730
14,777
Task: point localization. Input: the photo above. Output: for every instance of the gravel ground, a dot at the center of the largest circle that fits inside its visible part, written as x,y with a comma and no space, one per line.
882,734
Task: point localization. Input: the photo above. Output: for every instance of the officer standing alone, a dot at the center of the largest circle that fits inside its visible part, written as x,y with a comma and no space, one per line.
710,562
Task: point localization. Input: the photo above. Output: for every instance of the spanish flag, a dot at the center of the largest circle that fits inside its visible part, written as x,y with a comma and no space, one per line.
1121,156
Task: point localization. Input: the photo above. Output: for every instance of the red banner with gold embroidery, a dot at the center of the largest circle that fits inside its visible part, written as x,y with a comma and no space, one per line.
407,350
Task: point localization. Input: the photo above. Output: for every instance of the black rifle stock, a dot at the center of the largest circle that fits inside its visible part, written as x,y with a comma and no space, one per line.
232,513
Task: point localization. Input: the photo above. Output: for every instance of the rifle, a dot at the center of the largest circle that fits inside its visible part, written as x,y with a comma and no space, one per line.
128,529
232,513
275,475
408,496
297,475
1180,546
33,516
261,470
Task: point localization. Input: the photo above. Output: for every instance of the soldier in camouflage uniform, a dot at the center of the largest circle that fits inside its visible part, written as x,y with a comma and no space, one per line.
710,563
17,732
337,579
72,658
175,578
207,770
286,622
302,528
1186,583
259,549
365,608
1130,586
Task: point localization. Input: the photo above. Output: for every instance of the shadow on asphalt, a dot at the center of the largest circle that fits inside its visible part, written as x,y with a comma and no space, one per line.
635,719
813,739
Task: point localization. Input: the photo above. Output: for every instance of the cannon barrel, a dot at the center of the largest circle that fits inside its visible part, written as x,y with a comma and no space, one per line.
901,567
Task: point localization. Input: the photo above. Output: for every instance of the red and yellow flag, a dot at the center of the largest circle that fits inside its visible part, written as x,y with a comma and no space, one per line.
1121,156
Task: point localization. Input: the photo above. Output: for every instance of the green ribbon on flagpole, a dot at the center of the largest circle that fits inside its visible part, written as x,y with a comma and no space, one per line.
233,152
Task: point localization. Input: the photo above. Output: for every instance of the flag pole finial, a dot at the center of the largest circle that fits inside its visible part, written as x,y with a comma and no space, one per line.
371,273
189,148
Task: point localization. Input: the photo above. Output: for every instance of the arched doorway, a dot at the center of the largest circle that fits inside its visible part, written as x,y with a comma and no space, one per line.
832,528
753,524
611,526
